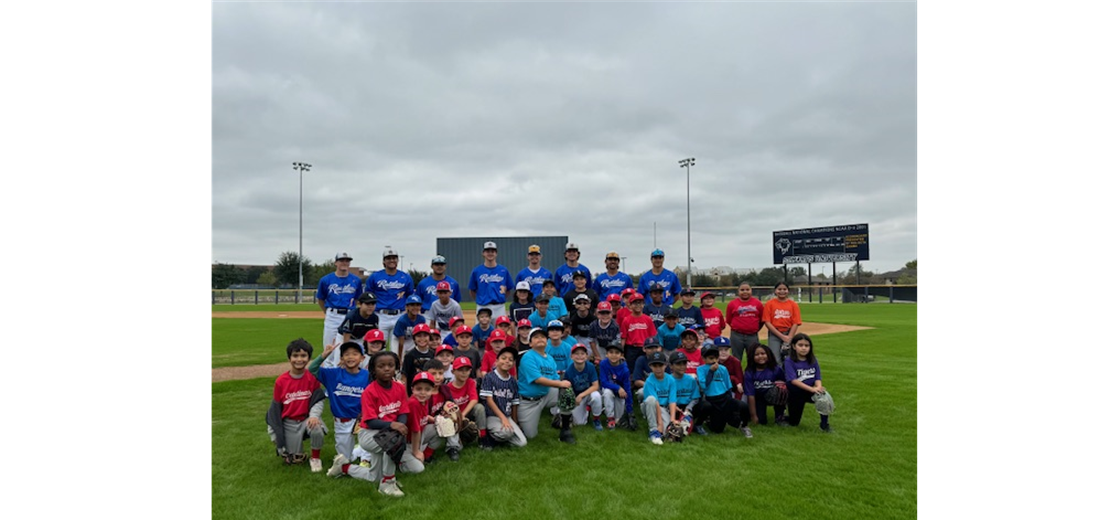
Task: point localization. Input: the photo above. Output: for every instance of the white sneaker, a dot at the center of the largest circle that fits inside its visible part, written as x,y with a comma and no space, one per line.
390,489
316,465
747,432
336,469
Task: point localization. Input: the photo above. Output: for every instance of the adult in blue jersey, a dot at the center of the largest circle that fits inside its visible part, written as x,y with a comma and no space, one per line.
612,281
391,287
426,289
534,274
336,295
564,275
658,275
490,282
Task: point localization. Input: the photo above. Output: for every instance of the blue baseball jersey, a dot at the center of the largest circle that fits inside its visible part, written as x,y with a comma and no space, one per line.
487,283
665,390
616,376
339,292
667,279
542,321
670,337
344,390
564,277
504,391
655,312
580,381
535,279
480,336
605,285
390,291
686,388
532,367
642,370
403,327
687,317
426,289
560,353
603,336
714,382
557,307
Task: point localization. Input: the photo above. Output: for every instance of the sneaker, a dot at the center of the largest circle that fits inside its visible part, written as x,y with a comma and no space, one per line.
656,437
747,431
632,423
336,469
623,422
390,489
826,428
567,436
453,454
316,465
486,443
612,423
597,424
700,430
556,421
781,421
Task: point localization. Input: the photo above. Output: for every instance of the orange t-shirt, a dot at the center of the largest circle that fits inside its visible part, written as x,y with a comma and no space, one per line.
782,315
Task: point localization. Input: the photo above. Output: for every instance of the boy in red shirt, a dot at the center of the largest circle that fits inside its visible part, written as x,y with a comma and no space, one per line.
494,345
623,312
714,320
463,391
385,405
691,350
744,316
296,409
636,329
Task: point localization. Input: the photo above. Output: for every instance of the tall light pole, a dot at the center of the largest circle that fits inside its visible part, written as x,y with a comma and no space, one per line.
687,163
302,167
624,264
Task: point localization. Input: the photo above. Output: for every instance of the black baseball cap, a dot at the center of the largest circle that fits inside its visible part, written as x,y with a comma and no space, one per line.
669,313
652,342
657,358
710,351
655,287
678,357
349,345
367,298
509,348
687,291
579,274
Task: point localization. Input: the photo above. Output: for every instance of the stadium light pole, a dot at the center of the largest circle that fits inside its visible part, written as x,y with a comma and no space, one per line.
302,167
687,163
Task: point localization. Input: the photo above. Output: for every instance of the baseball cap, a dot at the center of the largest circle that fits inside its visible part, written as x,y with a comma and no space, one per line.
669,313
652,342
710,351
571,246
536,330
678,357
414,299
443,348
655,287
613,299
581,297
721,341
509,348
443,286
349,345
689,332
461,362
498,335
604,306
613,255
657,358
707,294
548,281
434,331
657,252
463,330
533,249
438,259
524,324
635,297
579,274
502,319
627,290
687,291
454,319
554,324
613,345
423,377
484,310
523,286
423,327
373,335
342,256
543,298
389,252
489,245
578,346
367,298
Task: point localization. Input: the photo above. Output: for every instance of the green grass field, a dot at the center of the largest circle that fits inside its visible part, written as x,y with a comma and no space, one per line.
867,469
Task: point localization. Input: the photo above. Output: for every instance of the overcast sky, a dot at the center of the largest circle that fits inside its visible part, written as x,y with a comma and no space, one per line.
455,120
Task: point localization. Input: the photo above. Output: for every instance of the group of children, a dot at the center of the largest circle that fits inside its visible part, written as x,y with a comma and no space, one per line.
490,392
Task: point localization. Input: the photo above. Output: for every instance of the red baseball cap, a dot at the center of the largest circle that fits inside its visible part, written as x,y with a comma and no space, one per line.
524,324
578,346
423,376
433,331
463,329
635,296
423,327
604,307
443,348
613,298
454,319
443,286
498,334
707,294
627,290
461,362
374,335
502,319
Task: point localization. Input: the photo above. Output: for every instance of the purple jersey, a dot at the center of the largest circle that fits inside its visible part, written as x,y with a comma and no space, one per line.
808,373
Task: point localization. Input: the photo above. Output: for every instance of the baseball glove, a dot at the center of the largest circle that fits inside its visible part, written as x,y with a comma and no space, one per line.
776,395
566,400
392,444
445,426
824,403
675,432
469,432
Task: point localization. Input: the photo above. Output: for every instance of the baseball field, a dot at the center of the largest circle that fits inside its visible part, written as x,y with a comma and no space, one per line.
867,468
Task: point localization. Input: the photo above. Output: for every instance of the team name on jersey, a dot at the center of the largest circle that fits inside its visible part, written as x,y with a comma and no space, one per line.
782,313
491,278
341,289
716,320
503,393
349,391
299,395
567,278
664,283
388,285
612,282
744,309
431,289
806,373
533,280
388,408
763,384
637,326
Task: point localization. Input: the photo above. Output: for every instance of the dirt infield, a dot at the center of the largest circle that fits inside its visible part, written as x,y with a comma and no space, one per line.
274,370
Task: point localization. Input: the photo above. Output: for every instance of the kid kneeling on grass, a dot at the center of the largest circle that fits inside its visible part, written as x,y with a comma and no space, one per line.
719,407
687,393
660,394
463,391
295,412
385,406
616,388
502,398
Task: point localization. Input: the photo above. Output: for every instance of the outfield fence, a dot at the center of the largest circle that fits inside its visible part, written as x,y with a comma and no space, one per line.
800,293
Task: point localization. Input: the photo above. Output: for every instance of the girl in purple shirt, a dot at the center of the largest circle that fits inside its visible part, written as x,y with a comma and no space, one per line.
803,376
762,374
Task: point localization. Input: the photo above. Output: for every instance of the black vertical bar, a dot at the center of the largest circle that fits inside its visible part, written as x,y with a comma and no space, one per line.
233,297
256,297
857,272
834,282
891,294
809,268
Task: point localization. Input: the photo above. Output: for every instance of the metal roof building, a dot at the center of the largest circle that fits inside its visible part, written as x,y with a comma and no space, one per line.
464,254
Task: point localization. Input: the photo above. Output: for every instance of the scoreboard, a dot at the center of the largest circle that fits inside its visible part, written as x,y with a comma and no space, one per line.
825,244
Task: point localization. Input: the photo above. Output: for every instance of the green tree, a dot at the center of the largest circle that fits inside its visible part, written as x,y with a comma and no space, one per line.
768,276
286,269
267,279
225,275
798,271
704,280
312,277
912,264
417,275
253,272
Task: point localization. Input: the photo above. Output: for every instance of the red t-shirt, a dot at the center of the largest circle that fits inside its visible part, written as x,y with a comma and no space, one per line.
382,403
693,360
745,316
418,417
438,399
714,321
622,314
293,394
489,362
735,372
635,330
463,396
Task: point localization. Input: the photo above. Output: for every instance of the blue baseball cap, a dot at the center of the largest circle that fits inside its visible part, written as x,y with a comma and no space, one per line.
414,299
721,341
657,252
555,324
